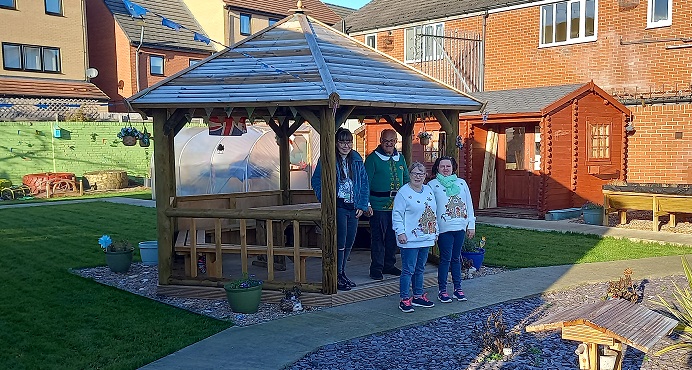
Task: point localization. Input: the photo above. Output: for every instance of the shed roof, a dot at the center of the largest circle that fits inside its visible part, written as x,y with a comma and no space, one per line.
301,62
523,100
341,11
316,8
155,34
625,321
388,13
49,88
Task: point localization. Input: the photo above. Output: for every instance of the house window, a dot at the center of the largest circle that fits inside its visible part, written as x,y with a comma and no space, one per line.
272,21
53,7
435,148
8,4
424,42
660,13
156,65
599,141
30,58
245,20
568,22
371,41
194,61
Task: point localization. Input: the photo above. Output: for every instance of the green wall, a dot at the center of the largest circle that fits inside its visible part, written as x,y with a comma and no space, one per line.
29,147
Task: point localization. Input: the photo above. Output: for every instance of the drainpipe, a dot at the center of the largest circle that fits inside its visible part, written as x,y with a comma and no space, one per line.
84,40
481,85
141,38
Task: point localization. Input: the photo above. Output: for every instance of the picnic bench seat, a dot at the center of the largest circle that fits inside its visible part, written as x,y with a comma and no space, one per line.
187,247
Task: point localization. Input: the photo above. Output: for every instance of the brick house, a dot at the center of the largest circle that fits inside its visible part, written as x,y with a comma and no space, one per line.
635,50
230,21
44,68
125,66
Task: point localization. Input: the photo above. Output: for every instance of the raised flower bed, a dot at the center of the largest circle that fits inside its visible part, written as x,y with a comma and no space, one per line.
661,199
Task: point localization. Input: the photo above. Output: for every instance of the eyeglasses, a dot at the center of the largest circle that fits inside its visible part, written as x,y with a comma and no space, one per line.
417,174
350,142
390,141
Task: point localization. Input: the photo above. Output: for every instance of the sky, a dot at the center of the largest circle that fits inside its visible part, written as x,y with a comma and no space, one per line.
354,4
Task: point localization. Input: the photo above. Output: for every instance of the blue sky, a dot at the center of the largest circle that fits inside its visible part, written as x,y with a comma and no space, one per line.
355,4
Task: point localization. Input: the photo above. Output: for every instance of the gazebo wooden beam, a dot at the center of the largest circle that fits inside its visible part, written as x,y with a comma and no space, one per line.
164,157
449,121
328,163
310,117
343,113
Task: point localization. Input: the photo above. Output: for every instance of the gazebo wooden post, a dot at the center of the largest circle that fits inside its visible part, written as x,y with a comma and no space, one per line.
284,163
164,157
328,163
408,123
449,121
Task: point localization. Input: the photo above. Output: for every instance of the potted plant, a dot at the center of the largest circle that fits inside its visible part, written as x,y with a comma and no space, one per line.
244,294
593,213
474,250
424,137
118,254
129,135
144,138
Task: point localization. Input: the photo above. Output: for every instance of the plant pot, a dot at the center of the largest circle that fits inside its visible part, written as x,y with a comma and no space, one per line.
119,261
475,257
149,251
143,143
129,140
593,216
424,140
244,300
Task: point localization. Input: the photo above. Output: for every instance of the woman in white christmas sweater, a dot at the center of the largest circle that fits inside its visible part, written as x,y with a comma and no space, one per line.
415,225
456,221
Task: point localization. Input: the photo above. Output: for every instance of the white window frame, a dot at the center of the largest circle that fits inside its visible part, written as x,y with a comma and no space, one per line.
438,29
372,36
163,64
661,23
582,24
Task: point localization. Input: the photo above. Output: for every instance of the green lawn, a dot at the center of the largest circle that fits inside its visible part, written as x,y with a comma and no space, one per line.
50,318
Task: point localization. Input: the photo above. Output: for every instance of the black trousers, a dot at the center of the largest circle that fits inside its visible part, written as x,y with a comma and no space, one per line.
383,242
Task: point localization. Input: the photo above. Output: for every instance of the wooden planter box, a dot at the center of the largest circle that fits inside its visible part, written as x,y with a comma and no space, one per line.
660,199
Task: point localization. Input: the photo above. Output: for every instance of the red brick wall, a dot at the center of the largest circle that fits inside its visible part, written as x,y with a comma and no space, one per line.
174,62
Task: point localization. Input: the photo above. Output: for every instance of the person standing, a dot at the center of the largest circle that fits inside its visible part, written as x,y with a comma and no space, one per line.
387,172
415,224
456,220
352,194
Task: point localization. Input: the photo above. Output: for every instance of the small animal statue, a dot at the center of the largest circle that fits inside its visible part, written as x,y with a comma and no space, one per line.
291,303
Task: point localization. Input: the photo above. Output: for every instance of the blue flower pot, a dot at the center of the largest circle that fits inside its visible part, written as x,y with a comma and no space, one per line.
475,257
149,251
593,216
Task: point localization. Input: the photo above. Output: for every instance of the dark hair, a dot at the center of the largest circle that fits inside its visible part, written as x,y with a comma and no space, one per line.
343,134
440,159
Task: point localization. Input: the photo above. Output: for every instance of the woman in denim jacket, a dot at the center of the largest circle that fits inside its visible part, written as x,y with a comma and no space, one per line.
352,194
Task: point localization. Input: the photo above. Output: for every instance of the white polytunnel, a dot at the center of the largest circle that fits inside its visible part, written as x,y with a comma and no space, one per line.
207,164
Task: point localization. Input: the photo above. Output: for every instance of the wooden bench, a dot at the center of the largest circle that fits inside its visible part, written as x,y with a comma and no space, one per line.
189,246
659,204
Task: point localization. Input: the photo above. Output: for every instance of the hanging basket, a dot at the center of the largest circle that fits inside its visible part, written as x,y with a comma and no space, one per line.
129,140
144,142
424,141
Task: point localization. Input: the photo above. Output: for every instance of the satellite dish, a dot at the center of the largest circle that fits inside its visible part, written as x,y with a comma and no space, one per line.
92,72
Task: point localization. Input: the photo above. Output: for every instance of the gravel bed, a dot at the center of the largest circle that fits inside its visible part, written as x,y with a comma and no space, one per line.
447,343
643,220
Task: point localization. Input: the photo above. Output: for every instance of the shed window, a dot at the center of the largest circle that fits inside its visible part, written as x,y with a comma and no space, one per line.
659,13
245,20
8,4
515,148
568,22
53,7
156,65
599,141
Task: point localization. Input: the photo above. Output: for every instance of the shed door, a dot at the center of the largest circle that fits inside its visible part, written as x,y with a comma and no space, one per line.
519,162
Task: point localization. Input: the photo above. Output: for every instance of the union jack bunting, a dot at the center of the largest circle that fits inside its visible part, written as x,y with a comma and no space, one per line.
227,126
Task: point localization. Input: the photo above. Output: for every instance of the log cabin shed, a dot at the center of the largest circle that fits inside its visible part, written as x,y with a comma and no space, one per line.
295,71
545,148
532,150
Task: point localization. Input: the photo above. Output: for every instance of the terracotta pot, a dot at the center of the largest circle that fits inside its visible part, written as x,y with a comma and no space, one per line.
424,141
129,140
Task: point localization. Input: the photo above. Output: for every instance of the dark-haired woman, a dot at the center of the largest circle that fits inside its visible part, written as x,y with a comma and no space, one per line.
456,221
352,195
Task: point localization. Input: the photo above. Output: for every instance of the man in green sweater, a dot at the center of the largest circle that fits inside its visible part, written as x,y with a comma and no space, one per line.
387,172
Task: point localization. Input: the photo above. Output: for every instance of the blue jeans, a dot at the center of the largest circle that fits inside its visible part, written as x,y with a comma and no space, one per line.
346,227
383,242
412,267
450,257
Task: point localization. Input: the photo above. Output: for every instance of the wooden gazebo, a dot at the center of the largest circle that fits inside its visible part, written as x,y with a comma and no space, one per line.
299,70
